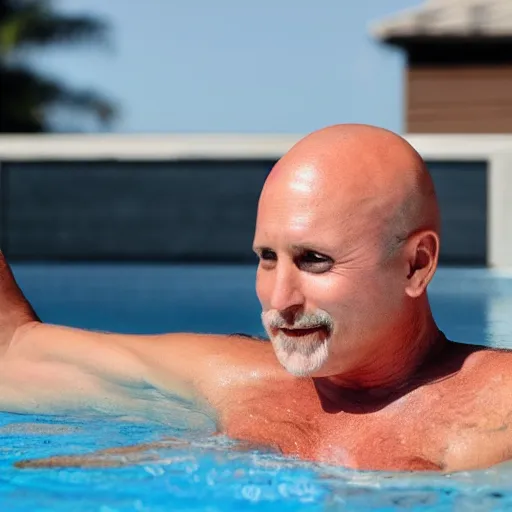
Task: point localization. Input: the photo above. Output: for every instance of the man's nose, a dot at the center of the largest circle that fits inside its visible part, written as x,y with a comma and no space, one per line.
286,294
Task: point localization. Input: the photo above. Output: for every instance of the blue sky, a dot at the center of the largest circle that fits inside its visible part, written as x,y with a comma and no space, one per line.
237,65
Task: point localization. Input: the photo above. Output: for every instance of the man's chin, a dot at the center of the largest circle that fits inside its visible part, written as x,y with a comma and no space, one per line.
301,366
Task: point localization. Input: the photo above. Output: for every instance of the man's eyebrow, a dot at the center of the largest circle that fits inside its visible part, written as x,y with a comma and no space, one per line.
259,248
308,247
297,248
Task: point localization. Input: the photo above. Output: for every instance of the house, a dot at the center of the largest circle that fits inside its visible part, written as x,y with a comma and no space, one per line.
458,115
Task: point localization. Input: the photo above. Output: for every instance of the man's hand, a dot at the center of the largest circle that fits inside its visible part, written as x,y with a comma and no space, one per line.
15,310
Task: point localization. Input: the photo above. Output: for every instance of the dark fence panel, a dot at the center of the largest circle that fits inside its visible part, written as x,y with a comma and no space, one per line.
185,211
131,211
462,192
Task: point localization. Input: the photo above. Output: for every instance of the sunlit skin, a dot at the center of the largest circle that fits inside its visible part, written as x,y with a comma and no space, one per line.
356,372
323,236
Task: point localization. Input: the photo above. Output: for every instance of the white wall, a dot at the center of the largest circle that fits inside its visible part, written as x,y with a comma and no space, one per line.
500,210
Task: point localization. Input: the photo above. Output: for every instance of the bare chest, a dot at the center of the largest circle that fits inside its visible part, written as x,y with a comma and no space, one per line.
413,433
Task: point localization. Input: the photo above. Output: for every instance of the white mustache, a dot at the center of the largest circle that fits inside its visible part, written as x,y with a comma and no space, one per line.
274,320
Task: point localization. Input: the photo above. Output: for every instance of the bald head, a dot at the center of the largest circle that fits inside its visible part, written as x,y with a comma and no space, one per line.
364,173
347,239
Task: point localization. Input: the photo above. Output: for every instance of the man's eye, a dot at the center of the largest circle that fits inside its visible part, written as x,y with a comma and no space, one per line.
314,262
313,257
268,255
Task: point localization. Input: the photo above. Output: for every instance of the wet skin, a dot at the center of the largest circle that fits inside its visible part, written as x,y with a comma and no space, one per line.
437,422
356,371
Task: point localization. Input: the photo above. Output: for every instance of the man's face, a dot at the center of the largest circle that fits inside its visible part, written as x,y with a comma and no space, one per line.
328,293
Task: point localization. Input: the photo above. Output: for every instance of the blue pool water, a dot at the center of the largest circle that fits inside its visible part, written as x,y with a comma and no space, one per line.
194,471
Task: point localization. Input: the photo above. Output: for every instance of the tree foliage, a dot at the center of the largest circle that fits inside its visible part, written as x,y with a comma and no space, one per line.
27,96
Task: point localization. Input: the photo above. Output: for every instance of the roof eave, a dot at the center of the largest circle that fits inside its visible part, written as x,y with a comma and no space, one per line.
404,39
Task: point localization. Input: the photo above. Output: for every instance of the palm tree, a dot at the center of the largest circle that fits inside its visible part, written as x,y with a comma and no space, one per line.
26,96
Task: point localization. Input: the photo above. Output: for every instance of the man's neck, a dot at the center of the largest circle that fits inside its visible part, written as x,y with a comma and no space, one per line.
388,373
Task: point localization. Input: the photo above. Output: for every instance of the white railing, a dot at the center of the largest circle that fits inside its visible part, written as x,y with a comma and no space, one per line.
221,146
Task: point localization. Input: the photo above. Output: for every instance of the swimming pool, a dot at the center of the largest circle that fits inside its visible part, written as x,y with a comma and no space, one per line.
194,471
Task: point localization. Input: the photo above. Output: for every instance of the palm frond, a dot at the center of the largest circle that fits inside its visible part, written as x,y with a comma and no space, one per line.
27,98
33,23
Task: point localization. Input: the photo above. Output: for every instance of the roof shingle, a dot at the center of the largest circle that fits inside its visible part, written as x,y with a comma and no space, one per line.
450,18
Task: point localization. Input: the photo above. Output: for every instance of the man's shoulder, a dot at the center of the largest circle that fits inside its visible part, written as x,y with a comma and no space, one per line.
231,360
484,433
483,364
476,411
237,368
484,379
219,351
474,375
496,360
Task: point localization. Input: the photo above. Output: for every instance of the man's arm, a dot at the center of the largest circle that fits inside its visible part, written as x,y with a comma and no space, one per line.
51,369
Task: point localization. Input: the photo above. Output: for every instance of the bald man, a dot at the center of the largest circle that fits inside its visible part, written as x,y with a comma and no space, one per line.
357,372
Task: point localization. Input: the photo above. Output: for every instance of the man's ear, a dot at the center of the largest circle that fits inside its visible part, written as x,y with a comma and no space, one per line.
422,256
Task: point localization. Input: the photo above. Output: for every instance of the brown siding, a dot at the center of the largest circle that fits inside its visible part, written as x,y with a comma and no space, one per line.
464,99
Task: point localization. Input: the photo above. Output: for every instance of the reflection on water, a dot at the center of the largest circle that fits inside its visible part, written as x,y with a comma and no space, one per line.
499,321
144,298
473,305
